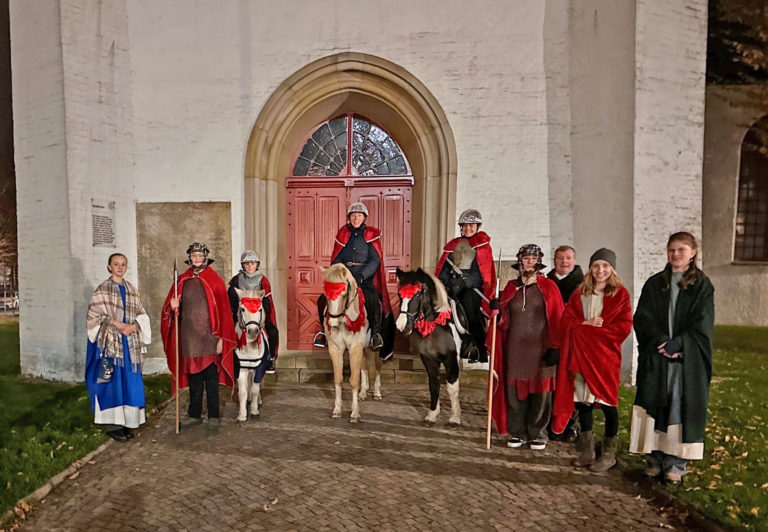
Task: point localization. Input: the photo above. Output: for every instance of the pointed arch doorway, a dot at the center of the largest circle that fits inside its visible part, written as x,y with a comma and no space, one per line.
346,159
385,94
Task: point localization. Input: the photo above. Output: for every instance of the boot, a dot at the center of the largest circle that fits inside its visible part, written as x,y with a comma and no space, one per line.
585,444
608,457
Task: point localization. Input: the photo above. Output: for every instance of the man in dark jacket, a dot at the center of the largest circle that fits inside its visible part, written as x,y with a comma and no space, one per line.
567,275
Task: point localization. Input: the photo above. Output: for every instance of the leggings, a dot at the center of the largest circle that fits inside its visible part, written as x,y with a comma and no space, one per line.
611,418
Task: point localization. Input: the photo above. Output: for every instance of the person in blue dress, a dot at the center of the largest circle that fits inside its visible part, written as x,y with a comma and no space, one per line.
117,325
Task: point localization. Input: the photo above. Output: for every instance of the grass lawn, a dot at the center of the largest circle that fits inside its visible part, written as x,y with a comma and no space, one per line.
731,483
45,426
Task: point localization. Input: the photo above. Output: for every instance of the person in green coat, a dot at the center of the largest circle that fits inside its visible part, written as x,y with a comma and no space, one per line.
673,323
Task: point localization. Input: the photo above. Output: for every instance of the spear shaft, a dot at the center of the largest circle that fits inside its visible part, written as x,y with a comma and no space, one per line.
176,343
492,360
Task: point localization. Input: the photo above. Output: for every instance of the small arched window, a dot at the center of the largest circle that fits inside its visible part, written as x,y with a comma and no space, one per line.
751,242
373,151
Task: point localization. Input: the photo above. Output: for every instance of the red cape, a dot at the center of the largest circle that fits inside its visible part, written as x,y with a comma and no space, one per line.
481,242
221,326
553,303
373,237
595,352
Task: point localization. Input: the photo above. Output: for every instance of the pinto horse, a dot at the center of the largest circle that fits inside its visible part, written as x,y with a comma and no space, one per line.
252,352
346,328
425,317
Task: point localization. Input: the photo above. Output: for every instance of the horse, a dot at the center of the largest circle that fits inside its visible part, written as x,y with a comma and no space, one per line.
346,328
424,308
252,352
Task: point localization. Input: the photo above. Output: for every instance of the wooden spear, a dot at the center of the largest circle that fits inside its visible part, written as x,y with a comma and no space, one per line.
176,343
491,360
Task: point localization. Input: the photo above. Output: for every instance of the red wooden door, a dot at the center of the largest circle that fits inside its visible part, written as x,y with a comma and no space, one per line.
343,160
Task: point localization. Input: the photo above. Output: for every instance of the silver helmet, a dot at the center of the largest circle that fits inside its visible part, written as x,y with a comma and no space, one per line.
249,256
470,216
198,247
357,207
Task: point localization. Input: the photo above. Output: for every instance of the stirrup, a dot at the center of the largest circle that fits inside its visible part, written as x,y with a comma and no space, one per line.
320,340
376,341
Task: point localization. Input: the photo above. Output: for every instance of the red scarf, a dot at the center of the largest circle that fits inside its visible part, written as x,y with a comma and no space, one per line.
334,290
409,290
251,304
427,327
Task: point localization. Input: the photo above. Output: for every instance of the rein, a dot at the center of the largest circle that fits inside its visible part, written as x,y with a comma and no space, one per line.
331,289
425,324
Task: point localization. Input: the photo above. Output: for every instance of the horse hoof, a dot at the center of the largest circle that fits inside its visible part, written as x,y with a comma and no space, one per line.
255,414
429,422
454,421
354,419
377,397
362,396
241,422
336,415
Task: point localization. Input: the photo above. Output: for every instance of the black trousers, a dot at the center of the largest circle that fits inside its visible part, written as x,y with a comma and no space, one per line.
207,379
471,302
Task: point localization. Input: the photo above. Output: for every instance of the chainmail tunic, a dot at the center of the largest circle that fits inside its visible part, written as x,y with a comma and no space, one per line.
527,336
195,322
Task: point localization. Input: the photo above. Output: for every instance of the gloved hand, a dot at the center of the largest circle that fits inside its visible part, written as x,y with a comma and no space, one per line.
495,304
457,286
551,357
359,280
673,346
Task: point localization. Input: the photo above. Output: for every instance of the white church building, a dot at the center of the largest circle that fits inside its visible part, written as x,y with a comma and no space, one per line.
143,125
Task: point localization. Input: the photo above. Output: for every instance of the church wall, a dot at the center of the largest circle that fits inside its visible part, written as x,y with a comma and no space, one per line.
47,300
740,296
602,56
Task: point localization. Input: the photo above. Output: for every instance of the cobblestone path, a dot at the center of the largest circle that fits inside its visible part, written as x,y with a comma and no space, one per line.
295,468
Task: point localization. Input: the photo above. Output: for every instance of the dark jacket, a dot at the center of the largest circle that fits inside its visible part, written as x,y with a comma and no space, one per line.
693,322
569,283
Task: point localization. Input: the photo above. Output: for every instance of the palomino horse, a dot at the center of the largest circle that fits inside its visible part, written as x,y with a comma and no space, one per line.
424,309
346,328
252,351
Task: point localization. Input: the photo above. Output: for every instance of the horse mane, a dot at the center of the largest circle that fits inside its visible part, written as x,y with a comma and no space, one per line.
249,293
338,273
441,296
437,293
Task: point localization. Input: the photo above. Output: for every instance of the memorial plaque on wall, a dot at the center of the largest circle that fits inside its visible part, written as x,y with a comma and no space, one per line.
103,223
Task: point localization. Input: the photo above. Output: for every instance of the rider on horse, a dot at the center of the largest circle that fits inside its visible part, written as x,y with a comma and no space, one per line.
358,247
249,278
466,269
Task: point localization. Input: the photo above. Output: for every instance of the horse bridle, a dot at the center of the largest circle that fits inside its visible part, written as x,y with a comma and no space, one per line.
418,315
244,325
344,308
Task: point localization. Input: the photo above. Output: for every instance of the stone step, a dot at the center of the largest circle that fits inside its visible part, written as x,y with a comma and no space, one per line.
469,377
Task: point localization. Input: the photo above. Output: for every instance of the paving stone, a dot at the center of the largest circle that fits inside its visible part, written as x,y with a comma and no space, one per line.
388,472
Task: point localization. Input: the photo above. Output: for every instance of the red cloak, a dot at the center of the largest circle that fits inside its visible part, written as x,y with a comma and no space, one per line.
553,303
595,352
373,237
481,243
221,326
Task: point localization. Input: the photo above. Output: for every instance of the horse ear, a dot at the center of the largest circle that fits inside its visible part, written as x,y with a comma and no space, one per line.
420,270
239,293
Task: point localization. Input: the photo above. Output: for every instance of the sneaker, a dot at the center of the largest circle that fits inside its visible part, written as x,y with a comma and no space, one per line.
570,436
128,434
320,341
514,443
214,423
191,422
652,471
537,445
117,435
376,341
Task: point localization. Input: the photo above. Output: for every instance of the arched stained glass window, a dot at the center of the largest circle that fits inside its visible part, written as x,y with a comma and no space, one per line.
751,242
373,151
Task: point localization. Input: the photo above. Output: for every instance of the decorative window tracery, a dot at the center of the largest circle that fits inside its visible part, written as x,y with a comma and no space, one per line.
751,238
373,151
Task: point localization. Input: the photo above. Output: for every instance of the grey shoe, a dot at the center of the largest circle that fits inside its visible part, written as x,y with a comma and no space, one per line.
214,423
585,444
607,458
191,422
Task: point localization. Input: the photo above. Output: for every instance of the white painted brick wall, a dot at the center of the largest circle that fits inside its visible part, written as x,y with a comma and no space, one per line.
155,101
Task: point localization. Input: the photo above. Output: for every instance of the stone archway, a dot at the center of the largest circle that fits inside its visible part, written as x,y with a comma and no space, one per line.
387,94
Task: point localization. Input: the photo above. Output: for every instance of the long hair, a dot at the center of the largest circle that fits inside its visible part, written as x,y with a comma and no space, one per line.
613,283
693,273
